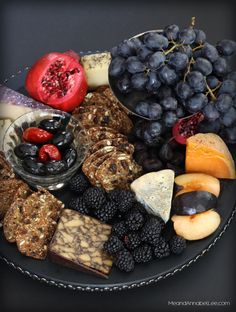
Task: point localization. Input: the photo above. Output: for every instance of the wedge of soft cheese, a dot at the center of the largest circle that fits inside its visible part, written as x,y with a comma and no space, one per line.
155,190
96,69
14,104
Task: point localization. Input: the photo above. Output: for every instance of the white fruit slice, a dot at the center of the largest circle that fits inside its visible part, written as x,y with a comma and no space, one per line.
197,226
96,69
155,190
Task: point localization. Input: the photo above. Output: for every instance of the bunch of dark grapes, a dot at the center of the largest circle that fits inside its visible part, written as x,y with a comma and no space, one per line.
177,73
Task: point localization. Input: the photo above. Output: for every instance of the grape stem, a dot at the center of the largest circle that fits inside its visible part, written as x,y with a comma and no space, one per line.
176,45
210,92
193,21
188,69
216,88
198,47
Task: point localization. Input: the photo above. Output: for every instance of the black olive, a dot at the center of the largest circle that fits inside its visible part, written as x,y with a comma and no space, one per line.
64,120
63,140
31,165
152,164
26,150
51,125
70,156
56,166
165,152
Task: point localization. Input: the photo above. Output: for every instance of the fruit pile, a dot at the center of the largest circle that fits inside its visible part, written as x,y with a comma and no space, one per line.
47,149
136,237
177,73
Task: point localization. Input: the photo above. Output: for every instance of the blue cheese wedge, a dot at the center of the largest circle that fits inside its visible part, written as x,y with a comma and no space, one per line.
154,190
96,69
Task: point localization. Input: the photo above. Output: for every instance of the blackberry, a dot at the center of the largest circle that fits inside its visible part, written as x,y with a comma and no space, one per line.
132,240
124,198
119,229
113,245
177,244
134,220
79,205
124,261
161,249
106,212
142,254
79,183
95,197
151,231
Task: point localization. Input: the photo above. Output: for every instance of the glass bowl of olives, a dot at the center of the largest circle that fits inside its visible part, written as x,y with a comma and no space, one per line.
46,147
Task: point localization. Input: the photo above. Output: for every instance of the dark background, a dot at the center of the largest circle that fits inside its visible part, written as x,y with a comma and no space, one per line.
28,29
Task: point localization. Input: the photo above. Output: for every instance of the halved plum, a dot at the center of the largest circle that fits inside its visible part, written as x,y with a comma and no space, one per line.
197,182
191,203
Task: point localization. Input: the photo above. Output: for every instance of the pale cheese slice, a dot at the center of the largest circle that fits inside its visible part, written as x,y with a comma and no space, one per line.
155,190
96,69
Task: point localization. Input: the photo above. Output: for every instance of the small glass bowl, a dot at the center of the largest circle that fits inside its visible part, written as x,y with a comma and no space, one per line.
13,137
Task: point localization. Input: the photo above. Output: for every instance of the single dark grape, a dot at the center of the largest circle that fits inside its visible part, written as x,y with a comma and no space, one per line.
114,52
155,41
169,119
138,81
203,65
200,36
196,81
183,90
142,108
229,118
153,84
117,67
164,91
197,53
171,32
165,152
178,60
143,53
124,84
220,67
152,164
168,75
139,146
154,111
156,60
180,111
196,102
134,65
187,36
229,134
228,86
125,49
154,128
186,49
210,52
178,159
209,127
223,102
169,103
212,81
226,47
135,43
140,156
210,112
232,76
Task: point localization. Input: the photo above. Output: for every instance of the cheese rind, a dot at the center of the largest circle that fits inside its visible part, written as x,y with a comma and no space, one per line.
155,190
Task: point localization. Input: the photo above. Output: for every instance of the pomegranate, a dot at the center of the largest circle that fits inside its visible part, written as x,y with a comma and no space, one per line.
58,80
186,127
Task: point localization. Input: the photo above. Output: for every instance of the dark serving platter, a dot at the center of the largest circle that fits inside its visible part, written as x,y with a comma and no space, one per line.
53,274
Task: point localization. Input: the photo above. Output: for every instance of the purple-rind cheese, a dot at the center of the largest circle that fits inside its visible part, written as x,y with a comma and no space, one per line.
14,104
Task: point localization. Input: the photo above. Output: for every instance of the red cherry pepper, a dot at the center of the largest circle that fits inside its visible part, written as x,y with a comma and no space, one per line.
49,152
37,135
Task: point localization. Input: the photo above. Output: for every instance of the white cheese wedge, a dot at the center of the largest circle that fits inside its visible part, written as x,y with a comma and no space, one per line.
96,69
155,190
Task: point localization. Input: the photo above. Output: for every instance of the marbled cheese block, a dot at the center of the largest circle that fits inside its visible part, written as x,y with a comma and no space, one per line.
78,243
155,190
